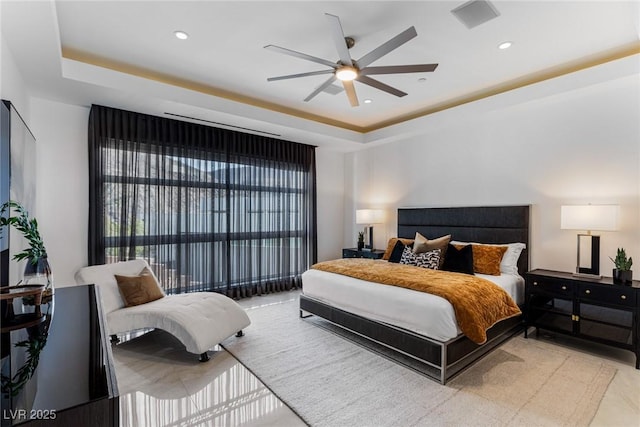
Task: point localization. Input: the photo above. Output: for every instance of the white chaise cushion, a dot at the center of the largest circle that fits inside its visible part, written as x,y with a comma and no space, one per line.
200,320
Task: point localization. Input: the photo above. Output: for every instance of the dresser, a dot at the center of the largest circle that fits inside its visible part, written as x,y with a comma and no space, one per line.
593,309
355,253
60,363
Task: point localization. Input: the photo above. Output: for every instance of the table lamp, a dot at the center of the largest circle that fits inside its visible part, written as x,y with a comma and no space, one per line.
369,217
589,218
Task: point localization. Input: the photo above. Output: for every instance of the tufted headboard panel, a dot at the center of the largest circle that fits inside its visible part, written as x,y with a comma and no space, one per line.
482,224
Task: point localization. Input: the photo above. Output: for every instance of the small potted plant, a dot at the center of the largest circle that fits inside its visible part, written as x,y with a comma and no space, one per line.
37,269
360,240
622,273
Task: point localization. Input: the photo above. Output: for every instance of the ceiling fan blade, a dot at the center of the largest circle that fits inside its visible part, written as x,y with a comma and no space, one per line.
379,85
338,39
294,76
301,55
320,88
387,47
351,92
397,69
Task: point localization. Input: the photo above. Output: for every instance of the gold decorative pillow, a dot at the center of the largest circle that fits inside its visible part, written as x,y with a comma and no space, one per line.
486,258
141,289
422,244
392,243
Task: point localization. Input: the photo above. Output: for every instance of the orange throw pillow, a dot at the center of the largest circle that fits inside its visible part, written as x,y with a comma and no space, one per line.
141,289
486,258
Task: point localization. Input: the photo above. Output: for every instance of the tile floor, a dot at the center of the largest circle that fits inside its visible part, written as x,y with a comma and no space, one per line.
168,389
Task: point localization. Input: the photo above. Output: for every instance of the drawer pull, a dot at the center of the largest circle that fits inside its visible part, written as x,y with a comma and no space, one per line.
564,288
587,291
623,296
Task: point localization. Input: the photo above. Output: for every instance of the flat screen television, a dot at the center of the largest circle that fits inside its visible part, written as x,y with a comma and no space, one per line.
5,161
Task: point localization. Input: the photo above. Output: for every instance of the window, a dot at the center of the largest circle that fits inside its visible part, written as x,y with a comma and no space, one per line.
209,209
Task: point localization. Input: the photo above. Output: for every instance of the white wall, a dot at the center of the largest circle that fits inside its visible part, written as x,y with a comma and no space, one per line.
63,190
330,188
575,147
12,86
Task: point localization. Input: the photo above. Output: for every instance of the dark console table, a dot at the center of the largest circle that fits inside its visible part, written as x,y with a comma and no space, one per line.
57,367
592,309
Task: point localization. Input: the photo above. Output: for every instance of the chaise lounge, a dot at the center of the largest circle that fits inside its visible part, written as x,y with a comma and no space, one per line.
200,320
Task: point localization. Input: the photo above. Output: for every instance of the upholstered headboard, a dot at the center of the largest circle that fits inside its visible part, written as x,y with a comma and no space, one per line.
486,224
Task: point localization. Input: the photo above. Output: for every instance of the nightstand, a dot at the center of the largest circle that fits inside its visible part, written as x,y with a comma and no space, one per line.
355,253
592,309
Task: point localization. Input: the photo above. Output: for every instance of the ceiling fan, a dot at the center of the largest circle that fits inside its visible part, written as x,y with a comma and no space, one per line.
347,70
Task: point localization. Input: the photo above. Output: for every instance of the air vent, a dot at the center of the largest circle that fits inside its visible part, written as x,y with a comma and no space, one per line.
222,124
475,12
333,89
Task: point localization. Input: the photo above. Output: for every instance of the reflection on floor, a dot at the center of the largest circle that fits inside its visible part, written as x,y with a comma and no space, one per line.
224,394
169,387
162,385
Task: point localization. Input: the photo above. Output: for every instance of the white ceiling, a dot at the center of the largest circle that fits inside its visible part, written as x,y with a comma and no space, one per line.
124,53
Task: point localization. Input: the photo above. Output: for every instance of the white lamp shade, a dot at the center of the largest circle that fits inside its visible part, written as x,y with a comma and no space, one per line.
369,216
589,217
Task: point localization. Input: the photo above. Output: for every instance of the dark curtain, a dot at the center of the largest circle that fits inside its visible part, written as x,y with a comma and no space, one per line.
209,209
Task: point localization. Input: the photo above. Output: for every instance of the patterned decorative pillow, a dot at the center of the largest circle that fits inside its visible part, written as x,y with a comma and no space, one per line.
430,259
422,244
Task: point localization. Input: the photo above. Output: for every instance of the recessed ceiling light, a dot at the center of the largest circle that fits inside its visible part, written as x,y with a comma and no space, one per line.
181,35
505,45
367,101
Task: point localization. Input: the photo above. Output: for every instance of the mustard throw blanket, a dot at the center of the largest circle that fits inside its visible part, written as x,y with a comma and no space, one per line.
478,303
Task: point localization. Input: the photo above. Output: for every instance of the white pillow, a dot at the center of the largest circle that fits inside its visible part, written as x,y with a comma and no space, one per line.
509,262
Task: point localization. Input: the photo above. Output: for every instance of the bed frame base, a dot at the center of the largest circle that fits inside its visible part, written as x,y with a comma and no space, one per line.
440,361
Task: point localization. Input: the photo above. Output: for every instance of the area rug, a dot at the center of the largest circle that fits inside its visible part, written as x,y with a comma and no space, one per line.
331,381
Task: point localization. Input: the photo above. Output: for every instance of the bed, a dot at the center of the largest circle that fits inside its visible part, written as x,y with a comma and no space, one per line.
395,317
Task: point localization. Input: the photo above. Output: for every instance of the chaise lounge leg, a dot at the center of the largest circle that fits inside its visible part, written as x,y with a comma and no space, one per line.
115,339
240,334
204,357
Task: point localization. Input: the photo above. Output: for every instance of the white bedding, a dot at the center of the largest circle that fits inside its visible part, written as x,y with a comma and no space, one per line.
423,313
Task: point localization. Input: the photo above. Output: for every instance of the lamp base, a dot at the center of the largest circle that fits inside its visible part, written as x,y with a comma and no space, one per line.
593,271
368,232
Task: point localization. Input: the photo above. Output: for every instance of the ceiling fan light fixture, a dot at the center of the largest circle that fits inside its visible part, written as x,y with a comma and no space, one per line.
346,73
181,35
346,69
